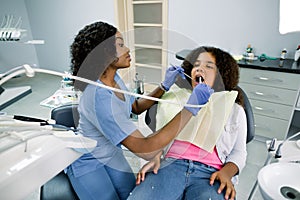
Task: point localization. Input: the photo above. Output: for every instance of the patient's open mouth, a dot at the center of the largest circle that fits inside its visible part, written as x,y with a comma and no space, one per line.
199,79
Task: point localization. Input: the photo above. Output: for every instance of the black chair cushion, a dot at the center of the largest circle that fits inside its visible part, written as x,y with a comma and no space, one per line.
66,115
250,117
58,188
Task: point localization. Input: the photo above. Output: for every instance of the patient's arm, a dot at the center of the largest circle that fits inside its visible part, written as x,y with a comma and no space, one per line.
152,165
224,175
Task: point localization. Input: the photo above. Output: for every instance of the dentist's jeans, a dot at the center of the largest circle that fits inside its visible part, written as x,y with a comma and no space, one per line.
105,183
178,179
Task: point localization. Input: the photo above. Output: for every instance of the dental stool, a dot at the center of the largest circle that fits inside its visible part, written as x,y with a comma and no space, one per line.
59,187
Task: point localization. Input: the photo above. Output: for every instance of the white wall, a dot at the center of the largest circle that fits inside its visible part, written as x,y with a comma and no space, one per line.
230,25
13,54
56,22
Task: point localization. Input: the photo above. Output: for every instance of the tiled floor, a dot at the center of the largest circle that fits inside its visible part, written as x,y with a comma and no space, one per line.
44,86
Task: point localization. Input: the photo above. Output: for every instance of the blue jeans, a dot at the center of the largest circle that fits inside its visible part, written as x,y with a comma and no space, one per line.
104,183
178,179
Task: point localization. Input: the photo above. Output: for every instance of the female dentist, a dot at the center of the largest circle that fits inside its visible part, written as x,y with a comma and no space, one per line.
97,53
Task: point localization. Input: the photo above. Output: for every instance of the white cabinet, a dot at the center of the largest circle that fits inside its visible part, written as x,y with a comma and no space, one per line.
273,96
146,25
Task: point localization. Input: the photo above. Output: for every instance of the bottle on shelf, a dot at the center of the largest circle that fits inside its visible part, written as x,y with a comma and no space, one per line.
249,54
282,57
139,89
249,49
297,53
283,54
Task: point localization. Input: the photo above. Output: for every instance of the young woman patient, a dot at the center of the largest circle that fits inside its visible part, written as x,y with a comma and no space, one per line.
188,171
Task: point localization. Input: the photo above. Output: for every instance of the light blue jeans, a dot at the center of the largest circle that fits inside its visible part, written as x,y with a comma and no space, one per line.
104,183
178,179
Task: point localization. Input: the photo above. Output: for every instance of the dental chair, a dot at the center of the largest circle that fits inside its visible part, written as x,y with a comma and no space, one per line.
150,117
151,113
249,116
59,187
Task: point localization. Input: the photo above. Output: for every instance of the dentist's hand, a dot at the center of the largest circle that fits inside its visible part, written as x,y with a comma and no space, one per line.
171,75
199,96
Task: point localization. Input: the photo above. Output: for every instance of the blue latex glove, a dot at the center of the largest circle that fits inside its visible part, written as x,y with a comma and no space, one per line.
199,96
171,75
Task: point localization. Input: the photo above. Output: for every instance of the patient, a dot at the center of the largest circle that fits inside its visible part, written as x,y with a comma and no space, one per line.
189,169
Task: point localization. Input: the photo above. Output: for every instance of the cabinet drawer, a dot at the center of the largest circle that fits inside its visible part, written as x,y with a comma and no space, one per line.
270,127
271,109
271,94
270,78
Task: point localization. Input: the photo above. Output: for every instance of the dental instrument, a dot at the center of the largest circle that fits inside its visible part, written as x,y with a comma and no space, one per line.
184,73
199,78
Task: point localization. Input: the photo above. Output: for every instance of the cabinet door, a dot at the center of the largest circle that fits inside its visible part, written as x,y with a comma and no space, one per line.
273,97
271,109
270,94
270,127
269,78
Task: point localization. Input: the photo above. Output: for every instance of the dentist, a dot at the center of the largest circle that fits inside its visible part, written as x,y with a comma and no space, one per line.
97,53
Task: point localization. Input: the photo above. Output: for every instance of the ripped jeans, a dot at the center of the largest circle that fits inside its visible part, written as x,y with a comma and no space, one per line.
178,179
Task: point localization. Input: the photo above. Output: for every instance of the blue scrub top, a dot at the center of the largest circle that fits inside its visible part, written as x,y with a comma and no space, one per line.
105,118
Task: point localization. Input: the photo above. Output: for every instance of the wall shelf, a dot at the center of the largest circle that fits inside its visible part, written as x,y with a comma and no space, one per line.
147,25
152,66
148,46
145,2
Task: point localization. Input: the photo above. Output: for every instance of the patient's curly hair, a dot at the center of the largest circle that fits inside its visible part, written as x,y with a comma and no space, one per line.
228,76
92,51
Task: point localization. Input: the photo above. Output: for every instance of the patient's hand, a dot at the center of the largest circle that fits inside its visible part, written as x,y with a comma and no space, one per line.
225,182
224,176
152,165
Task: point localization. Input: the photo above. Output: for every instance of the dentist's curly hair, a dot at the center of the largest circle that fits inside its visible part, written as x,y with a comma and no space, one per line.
92,51
228,76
